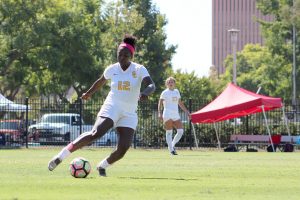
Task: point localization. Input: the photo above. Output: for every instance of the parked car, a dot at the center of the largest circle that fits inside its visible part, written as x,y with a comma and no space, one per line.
11,131
58,127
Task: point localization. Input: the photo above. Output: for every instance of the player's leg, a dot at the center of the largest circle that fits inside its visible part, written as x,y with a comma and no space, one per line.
179,127
101,126
124,142
169,130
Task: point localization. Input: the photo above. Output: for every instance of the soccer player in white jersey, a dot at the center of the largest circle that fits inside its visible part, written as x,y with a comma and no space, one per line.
169,100
119,107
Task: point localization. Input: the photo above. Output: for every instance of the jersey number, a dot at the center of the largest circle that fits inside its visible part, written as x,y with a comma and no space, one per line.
124,85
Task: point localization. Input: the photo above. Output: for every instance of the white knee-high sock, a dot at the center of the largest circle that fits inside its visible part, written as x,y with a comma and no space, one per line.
177,137
64,153
169,139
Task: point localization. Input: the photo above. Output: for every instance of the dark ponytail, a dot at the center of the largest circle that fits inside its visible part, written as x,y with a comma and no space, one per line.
130,39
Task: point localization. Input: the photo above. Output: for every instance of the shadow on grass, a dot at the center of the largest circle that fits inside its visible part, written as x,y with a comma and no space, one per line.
197,155
159,178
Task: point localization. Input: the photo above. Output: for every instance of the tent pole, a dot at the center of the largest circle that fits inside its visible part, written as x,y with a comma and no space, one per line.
269,132
285,120
219,143
196,142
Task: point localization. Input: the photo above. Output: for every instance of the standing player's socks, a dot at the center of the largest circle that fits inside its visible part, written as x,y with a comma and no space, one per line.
177,137
173,153
169,139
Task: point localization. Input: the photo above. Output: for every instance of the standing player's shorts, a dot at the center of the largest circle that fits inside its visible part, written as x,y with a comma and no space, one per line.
174,116
120,117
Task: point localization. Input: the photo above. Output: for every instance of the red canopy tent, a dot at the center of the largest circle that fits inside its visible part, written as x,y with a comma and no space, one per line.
235,102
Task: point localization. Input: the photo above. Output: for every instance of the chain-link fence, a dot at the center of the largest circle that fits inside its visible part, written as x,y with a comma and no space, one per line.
45,122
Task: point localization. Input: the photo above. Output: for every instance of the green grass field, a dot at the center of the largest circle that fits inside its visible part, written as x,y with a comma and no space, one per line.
153,174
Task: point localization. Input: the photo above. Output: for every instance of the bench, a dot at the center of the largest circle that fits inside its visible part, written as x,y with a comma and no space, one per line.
290,139
248,141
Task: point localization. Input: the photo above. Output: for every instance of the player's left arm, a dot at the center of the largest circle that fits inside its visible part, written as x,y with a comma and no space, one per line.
149,88
182,106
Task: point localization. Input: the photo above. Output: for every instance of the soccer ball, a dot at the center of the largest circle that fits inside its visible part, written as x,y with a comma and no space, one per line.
80,167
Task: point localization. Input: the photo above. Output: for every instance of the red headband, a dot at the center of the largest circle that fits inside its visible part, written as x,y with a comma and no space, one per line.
128,46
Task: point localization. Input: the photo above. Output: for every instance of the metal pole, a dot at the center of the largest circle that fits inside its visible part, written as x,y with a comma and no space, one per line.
233,36
217,134
294,61
26,122
190,124
80,115
195,137
285,121
268,129
234,62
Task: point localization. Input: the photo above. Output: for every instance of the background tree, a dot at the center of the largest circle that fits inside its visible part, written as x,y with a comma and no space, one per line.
193,87
56,44
48,46
17,19
278,34
257,67
153,51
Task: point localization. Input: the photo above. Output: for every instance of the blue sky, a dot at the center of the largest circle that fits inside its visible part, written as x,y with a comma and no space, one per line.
189,26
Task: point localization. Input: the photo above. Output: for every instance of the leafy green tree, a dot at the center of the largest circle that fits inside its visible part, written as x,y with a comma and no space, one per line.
153,51
278,35
257,67
48,46
17,19
193,87
75,52
51,44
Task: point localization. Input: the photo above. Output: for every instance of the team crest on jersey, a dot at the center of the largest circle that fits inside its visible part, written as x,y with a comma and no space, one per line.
134,74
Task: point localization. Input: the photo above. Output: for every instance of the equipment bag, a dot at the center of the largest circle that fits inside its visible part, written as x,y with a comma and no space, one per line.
270,149
288,147
230,148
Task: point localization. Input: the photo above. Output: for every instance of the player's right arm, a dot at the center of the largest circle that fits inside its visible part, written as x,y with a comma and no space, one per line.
96,85
160,105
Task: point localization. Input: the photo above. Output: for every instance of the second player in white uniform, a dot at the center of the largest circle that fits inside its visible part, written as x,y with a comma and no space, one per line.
170,99
170,102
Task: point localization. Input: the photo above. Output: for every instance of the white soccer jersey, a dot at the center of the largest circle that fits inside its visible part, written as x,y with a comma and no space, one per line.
171,99
125,85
